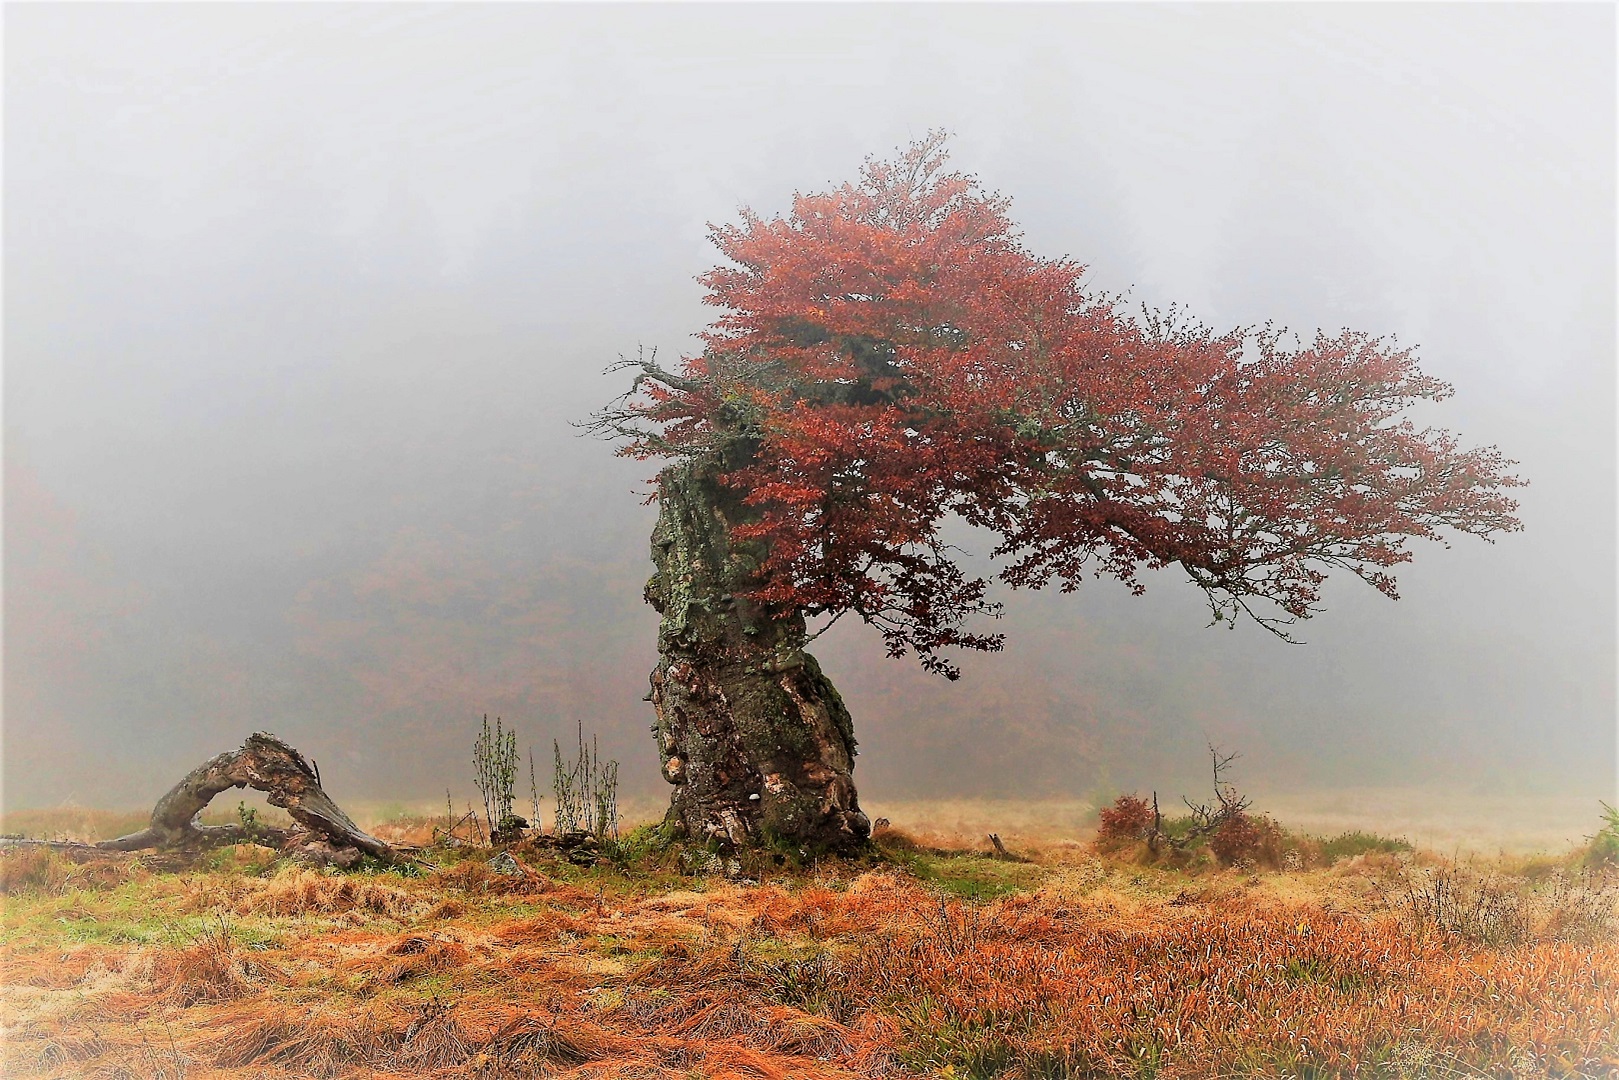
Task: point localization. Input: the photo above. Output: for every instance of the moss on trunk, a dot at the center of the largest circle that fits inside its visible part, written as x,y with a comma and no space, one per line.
754,737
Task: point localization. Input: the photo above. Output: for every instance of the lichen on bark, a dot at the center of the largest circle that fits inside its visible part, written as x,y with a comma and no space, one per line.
752,734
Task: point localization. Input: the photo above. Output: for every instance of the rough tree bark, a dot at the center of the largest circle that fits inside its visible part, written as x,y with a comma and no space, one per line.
755,739
266,764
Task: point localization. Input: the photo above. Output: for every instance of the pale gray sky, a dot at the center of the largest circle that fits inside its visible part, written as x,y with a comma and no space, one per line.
300,301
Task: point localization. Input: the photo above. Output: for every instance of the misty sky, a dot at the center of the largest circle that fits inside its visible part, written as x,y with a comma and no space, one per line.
300,302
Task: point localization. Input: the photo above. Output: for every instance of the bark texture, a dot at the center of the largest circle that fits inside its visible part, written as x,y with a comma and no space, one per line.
266,764
755,739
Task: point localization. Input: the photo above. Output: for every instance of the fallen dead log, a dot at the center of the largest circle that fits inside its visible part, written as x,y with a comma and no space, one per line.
10,841
266,764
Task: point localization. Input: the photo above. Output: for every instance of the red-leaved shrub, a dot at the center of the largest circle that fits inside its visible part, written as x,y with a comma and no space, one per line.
1246,837
1126,821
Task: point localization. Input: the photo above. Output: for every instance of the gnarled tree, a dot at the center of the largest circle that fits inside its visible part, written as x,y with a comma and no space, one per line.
889,355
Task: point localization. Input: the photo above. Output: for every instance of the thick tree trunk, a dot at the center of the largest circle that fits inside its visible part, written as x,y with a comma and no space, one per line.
755,739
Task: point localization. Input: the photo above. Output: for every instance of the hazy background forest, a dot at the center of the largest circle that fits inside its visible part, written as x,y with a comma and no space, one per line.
300,302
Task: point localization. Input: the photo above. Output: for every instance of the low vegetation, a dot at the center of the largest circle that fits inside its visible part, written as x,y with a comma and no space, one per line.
494,761
1283,955
1603,850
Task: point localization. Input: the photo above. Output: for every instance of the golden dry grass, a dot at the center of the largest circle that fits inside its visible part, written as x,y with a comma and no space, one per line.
966,823
1076,966
1450,821
79,823
87,824
1445,821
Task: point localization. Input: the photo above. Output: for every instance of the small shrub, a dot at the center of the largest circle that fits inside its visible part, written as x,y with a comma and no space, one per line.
1487,907
1236,839
1581,907
1459,902
245,858
1249,838
1604,847
1171,841
1125,822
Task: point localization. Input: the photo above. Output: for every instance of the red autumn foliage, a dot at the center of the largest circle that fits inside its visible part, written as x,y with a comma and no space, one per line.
1127,820
889,354
1247,837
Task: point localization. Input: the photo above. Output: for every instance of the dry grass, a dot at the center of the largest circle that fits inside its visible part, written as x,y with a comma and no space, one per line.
79,823
1461,822
297,892
88,825
414,823
1067,965
1454,822
965,823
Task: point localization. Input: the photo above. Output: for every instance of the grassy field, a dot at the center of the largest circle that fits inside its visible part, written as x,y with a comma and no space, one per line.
1453,822
1347,957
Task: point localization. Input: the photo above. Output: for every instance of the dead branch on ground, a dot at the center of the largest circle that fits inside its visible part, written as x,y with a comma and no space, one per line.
265,763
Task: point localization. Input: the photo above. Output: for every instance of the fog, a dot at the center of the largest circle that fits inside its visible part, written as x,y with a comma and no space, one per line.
301,301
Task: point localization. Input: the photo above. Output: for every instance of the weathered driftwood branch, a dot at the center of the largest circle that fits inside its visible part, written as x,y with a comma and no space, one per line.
266,764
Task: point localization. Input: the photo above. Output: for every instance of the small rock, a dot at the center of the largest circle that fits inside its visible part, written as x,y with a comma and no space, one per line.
714,865
320,853
505,863
703,863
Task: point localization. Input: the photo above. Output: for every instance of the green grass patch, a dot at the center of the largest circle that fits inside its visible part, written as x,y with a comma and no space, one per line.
962,874
1350,844
133,913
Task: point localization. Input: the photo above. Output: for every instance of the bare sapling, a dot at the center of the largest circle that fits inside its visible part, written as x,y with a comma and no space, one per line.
533,791
586,791
494,757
